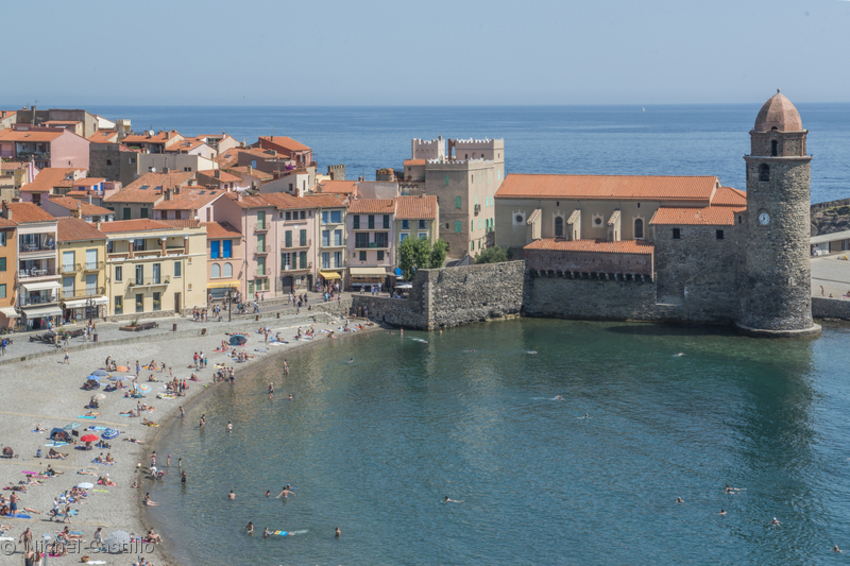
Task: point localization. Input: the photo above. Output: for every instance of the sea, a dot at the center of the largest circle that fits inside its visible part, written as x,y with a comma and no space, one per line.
556,442
616,140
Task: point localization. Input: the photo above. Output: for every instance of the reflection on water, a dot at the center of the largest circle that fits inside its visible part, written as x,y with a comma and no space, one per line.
375,446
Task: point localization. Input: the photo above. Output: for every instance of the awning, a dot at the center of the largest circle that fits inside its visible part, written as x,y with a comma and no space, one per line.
80,303
327,275
42,286
9,312
362,272
223,285
39,312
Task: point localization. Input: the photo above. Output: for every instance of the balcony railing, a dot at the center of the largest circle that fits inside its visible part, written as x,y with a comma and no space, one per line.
70,267
33,247
29,300
35,272
306,244
149,281
81,293
92,266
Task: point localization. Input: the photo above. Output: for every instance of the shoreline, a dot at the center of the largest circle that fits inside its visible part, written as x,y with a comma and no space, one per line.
49,392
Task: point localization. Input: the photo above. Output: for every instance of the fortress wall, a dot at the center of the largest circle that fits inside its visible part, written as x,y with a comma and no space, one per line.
830,308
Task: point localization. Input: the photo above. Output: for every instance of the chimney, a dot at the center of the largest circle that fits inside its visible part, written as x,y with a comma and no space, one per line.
217,173
89,198
165,169
239,196
168,193
7,211
250,170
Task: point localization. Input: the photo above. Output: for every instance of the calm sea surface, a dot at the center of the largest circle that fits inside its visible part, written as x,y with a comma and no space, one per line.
662,140
374,446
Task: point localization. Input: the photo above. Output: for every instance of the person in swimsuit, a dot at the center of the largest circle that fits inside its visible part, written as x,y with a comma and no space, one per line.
232,495
250,528
337,534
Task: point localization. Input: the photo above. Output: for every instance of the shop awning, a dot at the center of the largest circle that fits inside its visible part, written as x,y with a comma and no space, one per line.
370,272
42,286
80,303
9,312
328,275
224,285
39,312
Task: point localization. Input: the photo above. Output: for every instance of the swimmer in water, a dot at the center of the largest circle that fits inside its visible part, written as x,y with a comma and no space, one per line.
285,492
679,355
775,522
229,426
557,398
250,528
232,495
679,500
338,534
268,493
266,532
836,549
532,351
447,500
290,396
722,513
351,361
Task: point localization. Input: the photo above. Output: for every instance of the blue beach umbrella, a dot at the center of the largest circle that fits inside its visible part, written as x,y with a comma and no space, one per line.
118,378
94,377
100,372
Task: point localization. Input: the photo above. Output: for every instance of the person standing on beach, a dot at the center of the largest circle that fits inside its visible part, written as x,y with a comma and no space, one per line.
203,420
67,359
26,538
271,390
183,477
285,368
182,411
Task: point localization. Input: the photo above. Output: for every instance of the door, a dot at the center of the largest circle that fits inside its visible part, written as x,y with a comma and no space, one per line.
287,284
177,305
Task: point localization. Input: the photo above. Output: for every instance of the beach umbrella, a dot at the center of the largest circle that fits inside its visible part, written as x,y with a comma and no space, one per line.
122,368
109,434
89,438
118,378
98,397
94,377
85,485
238,340
117,542
100,373
144,387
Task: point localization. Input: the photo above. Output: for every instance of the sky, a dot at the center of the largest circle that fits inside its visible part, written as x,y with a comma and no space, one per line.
438,52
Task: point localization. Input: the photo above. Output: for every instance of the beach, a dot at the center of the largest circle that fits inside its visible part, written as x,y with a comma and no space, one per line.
47,392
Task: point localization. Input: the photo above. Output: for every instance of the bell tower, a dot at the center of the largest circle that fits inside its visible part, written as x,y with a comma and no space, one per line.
776,284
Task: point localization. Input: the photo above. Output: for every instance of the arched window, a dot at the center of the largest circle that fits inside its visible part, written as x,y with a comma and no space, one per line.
228,270
774,148
764,172
215,271
559,227
638,229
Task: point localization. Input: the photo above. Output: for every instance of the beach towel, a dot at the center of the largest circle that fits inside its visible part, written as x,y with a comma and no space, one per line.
100,490
56,444
86,417
38,431
102,463
71,426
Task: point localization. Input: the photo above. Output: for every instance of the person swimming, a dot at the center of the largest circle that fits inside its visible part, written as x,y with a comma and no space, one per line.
231,495
722,513
775,522
250,528
338,534
679,500
557,398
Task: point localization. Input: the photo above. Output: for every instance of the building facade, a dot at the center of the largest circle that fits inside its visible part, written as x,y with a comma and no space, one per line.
82,265
8,274
371,241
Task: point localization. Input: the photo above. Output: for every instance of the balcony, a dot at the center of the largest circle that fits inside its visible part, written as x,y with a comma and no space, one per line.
176,251
261,229
35,274
86,292
477,209
45,245
70,268
261,251
31,299
306,244
92,266
149,282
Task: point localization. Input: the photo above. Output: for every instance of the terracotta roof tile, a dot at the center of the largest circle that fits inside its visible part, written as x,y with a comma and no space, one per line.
189,199
7,223
34,135
414,162
85,208
727,196
149,187
12,165
187,145
423,207
48,178
327,200
104,136
228,158
285,143
340,187
684,216
256,173
608,187
224,177
71,229
139,225
372,206
159,137
23,212
221,230
603,246
182,223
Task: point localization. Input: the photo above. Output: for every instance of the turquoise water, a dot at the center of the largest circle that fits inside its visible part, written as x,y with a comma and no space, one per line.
374,446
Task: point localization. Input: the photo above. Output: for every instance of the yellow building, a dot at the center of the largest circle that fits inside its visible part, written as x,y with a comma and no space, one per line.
155,266
82,261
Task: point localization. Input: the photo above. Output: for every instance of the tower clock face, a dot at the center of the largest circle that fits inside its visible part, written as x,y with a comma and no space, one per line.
764,218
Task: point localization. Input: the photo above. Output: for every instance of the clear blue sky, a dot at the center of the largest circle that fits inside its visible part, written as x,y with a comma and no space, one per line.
344,52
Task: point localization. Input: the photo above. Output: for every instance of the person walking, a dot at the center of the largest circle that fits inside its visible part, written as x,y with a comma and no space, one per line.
67,359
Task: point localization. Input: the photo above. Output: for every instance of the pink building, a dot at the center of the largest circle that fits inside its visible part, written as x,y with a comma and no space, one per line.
277,238
371,240
47,147
224,259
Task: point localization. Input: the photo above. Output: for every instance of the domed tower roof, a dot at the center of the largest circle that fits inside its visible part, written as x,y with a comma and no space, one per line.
778,114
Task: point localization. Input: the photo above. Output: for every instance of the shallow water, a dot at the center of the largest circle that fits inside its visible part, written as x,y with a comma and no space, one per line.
374,446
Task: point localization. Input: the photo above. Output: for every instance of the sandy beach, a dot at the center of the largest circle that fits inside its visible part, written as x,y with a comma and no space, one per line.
48,392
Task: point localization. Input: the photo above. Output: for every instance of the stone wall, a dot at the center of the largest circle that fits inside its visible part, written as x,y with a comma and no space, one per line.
830,308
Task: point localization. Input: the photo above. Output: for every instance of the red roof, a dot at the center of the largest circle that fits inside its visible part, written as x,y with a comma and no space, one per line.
223,177
423,207
341,187
72,229
327,200
47,179
372,206
149,187
7,223
608,187
86,208
23,212
597,246
139,225
221,230
285,143
727,196
37,135
414,162
189,199
276,200
687,216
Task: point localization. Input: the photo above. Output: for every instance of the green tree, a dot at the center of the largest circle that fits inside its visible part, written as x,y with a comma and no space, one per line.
495,254
414,254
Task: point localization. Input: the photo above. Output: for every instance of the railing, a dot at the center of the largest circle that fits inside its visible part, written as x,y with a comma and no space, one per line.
147,253
308,243
70,267
176,251
28,300
35,272
92,265
149,281
37,247
81,293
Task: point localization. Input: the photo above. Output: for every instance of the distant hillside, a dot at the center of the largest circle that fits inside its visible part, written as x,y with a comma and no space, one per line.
831,217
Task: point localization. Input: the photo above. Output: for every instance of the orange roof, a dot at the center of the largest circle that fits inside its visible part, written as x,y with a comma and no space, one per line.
48,178
416,208
72,229
139,225
224,176
228,158
727,196
104,136
221,230
709,215
12,165
159,137
189,199
181,223
37,135
84,207
186,145
256,173
608,187
149,187
414,162
603,246
7,223
276,200
23,212
285,143
88,181
327,200
341,187
372,206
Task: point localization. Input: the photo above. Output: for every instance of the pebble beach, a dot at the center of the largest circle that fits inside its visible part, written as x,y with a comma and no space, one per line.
46,391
